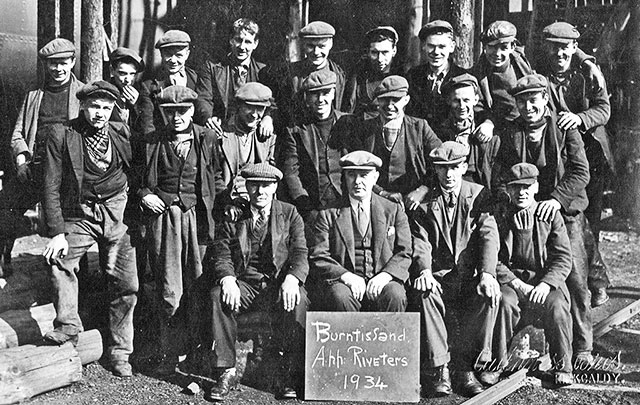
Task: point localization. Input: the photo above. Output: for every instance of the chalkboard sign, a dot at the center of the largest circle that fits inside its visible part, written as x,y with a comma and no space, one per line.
368,356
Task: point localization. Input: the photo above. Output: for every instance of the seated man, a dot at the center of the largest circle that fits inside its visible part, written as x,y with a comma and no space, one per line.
455,249
361,248
535,260
260,262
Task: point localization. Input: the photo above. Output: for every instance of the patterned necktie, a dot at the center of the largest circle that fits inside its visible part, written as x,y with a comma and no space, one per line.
97,145
363,222
240,75
451,200
260,222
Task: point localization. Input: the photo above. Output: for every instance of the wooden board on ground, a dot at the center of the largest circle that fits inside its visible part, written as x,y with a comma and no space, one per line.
370,356
606,325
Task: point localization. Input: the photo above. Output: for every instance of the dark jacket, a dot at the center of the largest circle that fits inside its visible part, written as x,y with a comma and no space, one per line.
332,251
288,246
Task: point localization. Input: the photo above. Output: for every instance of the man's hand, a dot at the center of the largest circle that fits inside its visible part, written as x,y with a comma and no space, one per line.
395,197
290,292
265,129
426,282
58,247
21,159
547,209
130,94
355,283
23,172
415,197
377,283
153,203
232,213
484,132
490,288
522,289
568,120
214,123
540,293
231,293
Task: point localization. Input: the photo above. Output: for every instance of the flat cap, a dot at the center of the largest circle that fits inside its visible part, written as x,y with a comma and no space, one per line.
529,84
449,153
98,89
392,86
254,93
176,96
320,80
383,30
261,172
128,55
499,31
462,80
434,27
522,173
317,29
57,48
360,160
560,32
174,38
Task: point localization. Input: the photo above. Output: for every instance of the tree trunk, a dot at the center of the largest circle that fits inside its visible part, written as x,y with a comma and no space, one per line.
413,42
296,16
462,20
92,40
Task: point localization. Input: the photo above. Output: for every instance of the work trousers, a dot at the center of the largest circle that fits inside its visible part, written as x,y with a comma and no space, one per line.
339,298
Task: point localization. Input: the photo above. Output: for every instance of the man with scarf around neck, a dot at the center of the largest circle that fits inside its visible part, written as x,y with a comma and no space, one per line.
377,64
534,262
219,81
462,96
559,155
580,98
174,47
455,253
313,148
178,195
403,143
85,195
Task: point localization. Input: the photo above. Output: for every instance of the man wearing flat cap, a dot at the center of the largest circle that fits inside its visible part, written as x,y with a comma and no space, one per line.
579,96
560,157
85,195
402,143
377,64
455,251
178,195
174,47
312,148
360,248
534,262
259,262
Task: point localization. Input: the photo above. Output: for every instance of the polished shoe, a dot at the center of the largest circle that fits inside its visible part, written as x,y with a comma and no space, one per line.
121,368
439,381
467,383
227,381
598,297
287,392
59,338
489,377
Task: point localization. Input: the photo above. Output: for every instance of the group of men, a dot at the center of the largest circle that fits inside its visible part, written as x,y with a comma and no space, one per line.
445,191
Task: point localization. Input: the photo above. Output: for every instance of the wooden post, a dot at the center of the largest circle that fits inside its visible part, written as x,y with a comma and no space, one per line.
92,40
20,327
413,42
463,24
296,15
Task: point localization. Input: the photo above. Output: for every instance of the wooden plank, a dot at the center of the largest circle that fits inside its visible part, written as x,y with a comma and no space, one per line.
500,390
627,330
607,324
89,346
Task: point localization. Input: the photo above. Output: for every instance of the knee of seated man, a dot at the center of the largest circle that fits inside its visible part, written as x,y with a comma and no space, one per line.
395,295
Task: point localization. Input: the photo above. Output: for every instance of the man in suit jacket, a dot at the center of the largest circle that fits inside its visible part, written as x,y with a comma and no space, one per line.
174,48
535,260
85,196
455,252
361,247
260,262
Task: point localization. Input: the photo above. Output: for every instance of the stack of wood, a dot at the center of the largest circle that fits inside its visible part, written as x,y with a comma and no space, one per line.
27,366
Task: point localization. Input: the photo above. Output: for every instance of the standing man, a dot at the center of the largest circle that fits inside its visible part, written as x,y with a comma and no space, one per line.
125,64
182,180
85,195
455,240
361,248
174,48
369,72
260,262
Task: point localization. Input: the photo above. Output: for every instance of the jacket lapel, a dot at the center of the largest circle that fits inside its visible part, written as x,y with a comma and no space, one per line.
76,154
462,211
222,80
229,144
439,213
276,227
378,228
308,135
345,229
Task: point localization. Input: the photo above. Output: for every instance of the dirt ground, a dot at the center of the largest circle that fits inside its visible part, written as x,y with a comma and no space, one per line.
620,246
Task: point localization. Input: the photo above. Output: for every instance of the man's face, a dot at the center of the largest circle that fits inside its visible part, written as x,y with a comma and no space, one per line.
462,100
360,182
522,195
59,69
438,49
381,54
450,176
97,111
124,74
249,115
319,102
174,58
243,44
261,193
560,54
178,117
532,105
316,50
498,55
392,107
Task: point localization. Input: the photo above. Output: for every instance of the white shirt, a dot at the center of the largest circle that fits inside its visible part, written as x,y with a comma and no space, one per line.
366,207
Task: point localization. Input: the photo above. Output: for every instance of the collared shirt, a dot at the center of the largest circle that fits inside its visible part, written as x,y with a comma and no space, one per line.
436,79
255,212
446,196
366,207
179,78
